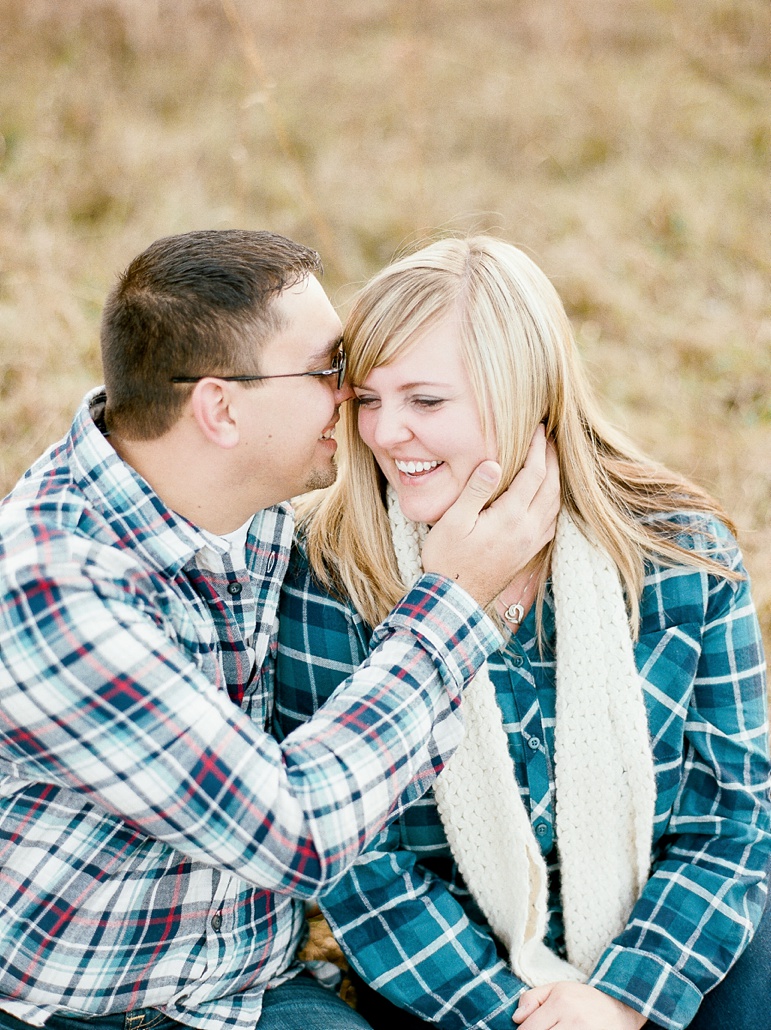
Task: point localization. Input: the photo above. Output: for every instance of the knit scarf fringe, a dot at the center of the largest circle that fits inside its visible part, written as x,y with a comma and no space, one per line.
605,786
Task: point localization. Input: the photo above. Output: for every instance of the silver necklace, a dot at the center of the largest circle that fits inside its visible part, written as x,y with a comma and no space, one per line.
515,612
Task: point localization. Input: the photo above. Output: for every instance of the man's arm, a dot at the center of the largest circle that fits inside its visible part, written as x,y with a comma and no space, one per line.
98,696
95,698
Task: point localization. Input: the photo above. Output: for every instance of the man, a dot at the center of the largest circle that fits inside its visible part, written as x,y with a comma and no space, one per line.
156,842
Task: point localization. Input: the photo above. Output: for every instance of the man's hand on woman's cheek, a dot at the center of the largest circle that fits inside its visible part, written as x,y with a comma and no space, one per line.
483,549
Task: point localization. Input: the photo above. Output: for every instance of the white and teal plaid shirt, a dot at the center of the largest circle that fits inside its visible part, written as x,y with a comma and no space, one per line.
155,841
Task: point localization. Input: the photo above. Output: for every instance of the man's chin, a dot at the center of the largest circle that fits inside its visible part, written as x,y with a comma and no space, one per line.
319,479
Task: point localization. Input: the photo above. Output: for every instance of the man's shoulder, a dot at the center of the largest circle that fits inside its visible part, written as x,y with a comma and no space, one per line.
80,504
48,492
50,525
44,500
49,521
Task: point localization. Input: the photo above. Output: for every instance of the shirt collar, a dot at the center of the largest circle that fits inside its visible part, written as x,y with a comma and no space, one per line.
135,511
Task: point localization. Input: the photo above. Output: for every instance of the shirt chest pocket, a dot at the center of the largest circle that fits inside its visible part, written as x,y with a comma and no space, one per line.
668,662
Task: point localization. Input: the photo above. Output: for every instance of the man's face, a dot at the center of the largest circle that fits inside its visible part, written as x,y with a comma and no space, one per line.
286,443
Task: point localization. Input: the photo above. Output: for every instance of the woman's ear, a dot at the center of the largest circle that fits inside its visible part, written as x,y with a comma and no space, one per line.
214,411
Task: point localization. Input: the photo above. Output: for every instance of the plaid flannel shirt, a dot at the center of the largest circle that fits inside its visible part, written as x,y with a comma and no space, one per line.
155,841
402,913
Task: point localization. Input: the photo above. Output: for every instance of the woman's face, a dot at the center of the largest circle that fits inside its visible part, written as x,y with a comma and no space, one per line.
419,417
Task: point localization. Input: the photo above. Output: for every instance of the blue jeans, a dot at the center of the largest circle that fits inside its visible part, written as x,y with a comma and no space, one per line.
743,998
299,1004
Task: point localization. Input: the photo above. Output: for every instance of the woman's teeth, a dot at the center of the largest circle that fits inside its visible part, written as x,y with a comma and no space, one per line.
411,467
329,435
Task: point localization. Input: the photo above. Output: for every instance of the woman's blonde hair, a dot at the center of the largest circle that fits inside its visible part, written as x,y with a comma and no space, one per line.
524,368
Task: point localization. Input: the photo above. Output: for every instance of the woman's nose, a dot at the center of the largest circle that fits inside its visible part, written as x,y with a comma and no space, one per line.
390,427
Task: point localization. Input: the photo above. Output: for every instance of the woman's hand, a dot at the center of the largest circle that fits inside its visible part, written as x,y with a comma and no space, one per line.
572,1006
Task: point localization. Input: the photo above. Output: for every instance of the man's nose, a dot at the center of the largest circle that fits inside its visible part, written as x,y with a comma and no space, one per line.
343,393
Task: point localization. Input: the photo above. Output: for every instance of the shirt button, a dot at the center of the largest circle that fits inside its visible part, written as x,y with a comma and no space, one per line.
517,661
216,922
271,562
234,589
534,743
541,829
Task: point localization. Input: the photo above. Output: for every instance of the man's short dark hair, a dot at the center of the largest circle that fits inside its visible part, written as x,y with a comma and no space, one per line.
195,304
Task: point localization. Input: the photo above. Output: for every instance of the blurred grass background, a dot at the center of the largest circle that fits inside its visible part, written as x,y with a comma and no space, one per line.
625,144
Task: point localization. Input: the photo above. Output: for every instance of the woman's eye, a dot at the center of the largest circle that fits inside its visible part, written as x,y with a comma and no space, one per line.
428,402
366,401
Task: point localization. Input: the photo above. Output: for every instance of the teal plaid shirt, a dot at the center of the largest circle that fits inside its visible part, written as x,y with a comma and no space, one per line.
402,913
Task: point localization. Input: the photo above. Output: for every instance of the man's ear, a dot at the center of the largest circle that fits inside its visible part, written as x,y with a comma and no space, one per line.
214,411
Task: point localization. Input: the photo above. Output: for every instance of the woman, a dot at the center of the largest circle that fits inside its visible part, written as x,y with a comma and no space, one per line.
595,853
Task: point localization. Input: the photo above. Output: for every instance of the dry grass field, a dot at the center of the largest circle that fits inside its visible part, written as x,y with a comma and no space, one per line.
625,144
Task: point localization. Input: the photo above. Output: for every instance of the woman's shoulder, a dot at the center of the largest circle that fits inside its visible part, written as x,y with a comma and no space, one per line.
682,591
700,533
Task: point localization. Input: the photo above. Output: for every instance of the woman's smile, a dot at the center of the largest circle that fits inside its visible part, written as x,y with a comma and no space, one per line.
413,469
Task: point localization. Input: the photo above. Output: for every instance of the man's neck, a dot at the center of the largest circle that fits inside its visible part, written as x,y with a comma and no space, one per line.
188,478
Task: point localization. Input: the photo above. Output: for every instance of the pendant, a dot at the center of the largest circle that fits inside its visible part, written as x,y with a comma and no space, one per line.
514,614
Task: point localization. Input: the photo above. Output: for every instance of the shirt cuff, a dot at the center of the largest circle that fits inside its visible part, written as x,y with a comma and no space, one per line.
449,623
648,985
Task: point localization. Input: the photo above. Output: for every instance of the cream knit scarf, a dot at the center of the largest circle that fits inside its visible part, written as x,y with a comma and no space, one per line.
605,787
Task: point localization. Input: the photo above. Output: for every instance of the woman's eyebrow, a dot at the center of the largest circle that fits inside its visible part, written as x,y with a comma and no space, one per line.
406,387
423,383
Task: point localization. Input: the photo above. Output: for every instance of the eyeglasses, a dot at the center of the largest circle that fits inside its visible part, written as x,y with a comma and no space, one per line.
337,368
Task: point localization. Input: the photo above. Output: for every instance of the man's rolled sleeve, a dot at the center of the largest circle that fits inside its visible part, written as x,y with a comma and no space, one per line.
448,622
